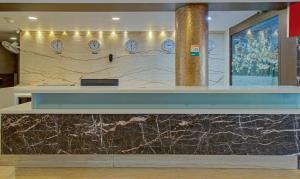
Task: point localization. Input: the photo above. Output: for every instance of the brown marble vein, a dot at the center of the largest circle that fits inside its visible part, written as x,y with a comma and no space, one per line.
150,134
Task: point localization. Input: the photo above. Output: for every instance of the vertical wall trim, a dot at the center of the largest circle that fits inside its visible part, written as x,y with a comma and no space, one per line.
227,58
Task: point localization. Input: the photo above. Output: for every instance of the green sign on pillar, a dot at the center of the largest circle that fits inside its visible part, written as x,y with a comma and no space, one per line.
195,50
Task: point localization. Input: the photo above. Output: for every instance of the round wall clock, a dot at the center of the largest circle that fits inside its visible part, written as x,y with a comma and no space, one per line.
94,46
57,45
168,46
131,46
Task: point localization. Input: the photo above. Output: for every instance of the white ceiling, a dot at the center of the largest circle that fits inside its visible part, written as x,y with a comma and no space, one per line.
130,21
136,1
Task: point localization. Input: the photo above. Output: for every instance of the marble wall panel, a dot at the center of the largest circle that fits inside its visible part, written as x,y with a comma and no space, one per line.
216,59
149,67
150,134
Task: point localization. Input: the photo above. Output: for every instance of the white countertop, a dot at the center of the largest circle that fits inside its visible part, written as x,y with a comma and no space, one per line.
26,108
183,89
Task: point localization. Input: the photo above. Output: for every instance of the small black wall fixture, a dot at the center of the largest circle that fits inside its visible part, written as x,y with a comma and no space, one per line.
110,57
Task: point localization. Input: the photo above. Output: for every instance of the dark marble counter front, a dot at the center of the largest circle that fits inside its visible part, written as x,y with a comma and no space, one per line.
215,134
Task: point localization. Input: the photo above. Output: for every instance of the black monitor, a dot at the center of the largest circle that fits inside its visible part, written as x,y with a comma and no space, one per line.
99,82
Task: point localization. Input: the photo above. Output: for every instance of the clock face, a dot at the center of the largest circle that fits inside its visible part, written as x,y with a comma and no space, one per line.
131,46
168,46
94,46
57,45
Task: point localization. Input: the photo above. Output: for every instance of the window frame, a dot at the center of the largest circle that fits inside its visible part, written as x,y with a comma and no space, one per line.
248,23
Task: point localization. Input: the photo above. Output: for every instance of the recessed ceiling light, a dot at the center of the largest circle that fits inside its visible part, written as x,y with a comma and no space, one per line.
9,20
115,18
249,32
13,38
32,18
209,18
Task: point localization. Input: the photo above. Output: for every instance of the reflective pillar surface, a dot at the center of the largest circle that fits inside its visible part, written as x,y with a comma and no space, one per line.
192,36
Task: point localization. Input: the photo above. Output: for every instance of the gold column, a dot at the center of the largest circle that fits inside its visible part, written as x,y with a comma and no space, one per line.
192,30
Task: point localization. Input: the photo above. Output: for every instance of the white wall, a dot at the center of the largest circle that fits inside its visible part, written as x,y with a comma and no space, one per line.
7,61
150,67
6,97
216,59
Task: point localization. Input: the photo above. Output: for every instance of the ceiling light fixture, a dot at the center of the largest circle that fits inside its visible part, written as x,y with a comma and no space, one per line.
13,38
9,20
249,33
100,34
162,33
18,31
88,32
51,32
115,18
77,33
27,33
32,18
209,18
150,34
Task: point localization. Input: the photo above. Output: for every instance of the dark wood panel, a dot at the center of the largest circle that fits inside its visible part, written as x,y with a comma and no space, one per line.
22,100
287,54
6,80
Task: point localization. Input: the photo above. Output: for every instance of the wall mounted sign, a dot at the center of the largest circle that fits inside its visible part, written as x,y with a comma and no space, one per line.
57,46
195,50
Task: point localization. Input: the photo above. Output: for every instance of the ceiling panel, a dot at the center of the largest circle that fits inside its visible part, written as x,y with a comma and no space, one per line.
130,21
137,1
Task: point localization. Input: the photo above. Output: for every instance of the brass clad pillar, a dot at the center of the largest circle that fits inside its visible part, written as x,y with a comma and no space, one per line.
192,31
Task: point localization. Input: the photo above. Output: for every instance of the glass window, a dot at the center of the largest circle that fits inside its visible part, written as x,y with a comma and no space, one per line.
254,55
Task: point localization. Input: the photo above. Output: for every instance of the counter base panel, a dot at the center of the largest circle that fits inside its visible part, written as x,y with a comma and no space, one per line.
202,134
161,161
165,100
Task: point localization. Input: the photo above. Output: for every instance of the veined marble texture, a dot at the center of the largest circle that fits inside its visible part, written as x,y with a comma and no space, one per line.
150,134
216,59
149,67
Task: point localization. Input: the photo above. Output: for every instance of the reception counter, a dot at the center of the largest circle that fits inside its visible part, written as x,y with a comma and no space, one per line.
179,121
176,98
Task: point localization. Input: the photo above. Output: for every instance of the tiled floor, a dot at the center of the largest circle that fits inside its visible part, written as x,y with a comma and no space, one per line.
150,173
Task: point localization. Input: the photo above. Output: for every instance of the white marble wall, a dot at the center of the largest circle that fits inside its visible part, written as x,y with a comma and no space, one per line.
216,59
6,97
150,67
